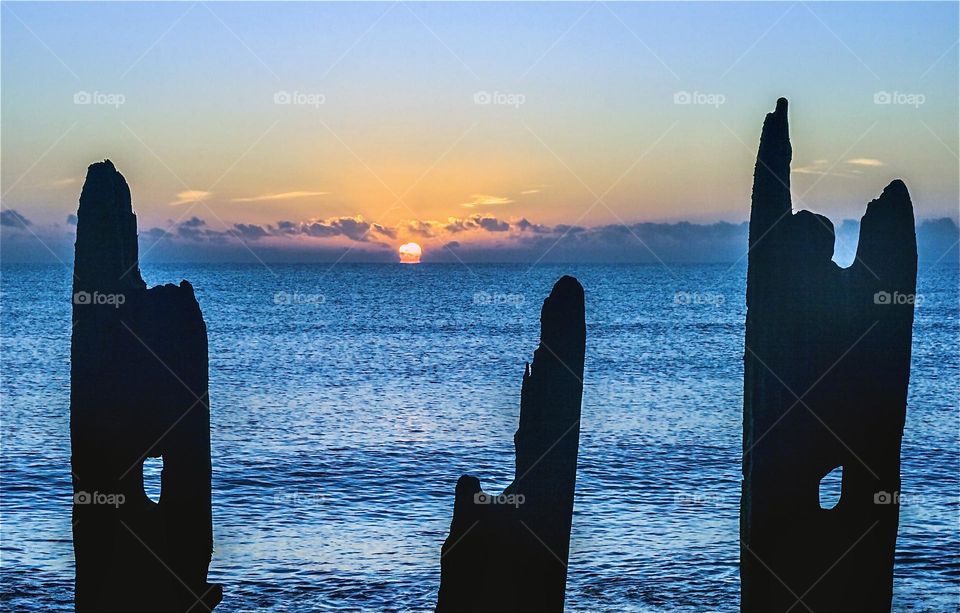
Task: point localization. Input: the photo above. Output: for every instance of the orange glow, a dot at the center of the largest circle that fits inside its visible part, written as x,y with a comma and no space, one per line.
410,253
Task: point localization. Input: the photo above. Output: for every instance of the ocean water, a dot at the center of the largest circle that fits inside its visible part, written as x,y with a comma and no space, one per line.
346,402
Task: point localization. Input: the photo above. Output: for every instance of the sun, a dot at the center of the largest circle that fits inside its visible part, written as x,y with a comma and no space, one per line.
410,253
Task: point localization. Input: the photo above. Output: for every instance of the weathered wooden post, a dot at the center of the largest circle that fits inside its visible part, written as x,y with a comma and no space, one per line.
509,552
138,388
826,367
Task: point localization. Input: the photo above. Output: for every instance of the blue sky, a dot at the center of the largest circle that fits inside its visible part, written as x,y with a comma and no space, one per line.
583,108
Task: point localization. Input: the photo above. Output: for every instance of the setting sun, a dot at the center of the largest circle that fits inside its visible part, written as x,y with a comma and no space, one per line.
410,253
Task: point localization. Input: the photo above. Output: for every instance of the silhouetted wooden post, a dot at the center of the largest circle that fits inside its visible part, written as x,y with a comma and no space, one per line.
138,388
509,552
826,367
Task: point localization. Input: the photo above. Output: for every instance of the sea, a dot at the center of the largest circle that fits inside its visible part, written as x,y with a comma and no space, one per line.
346,401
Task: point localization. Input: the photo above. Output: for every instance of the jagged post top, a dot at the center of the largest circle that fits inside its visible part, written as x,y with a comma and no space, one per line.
562,310
564,304
887,247
106,254
887,233
771,174
775,151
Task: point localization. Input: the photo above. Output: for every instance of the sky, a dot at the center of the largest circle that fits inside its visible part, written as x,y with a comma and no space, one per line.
324,130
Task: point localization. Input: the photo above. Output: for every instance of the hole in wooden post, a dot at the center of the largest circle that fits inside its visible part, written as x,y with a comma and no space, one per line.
830,488
152,469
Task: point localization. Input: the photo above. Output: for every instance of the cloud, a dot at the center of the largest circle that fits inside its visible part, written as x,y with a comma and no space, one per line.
285,241
823,168
476,222
455,224
525,226
388,232
250,231
12,219
279,196
492,224
938,242
811,169
424,229
865,162
485,238
477,238
627,243
286,227
565,229
485,200
191,229
527,192
191,195
355,228
196,230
